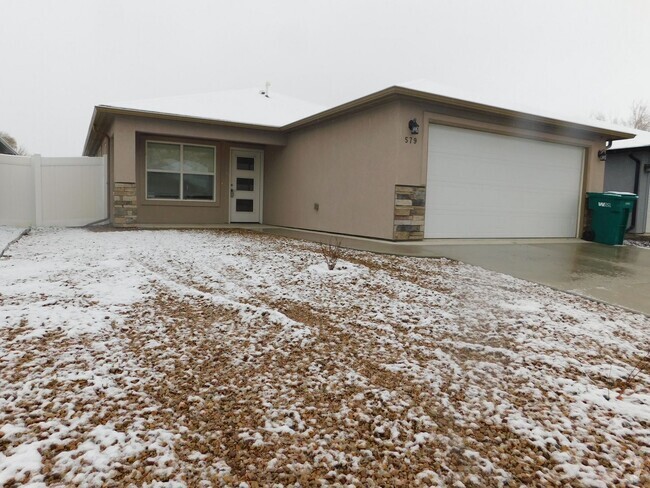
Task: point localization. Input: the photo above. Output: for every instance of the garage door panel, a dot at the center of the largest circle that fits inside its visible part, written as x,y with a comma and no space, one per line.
487,185
491,172
487,227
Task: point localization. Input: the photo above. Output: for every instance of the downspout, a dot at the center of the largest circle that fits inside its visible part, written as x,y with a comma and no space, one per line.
637,176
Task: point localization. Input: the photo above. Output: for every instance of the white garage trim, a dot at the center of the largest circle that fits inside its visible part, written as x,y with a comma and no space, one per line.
481,184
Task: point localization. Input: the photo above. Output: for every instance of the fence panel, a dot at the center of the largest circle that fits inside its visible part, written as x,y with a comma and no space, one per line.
52,191
73,191
16,191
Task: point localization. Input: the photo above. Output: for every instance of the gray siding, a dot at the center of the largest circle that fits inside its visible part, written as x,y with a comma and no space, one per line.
619,176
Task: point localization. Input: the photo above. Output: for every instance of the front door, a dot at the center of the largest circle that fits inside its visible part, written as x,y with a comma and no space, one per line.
245,185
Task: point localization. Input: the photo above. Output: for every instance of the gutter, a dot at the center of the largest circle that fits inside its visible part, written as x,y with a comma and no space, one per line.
102,111
362,103
397,91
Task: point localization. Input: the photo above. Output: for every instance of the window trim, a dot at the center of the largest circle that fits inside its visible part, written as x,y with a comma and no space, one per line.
181,172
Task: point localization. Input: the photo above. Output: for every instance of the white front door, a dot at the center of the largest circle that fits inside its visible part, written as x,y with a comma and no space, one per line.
245,185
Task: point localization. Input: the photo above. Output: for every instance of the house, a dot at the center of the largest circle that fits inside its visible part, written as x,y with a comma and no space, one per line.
628,170
408,162
5,148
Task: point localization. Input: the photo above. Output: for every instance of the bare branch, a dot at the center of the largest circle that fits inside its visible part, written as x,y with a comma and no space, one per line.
640,116
9,139
332,252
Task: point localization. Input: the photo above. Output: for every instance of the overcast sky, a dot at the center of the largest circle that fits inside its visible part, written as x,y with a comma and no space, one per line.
60,58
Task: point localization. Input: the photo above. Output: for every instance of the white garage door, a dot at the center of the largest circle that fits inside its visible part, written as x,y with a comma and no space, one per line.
487,185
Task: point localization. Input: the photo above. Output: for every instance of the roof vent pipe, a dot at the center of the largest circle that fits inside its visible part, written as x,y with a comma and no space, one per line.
265,92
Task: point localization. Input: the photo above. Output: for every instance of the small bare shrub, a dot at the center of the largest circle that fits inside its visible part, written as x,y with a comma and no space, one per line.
332,252
640,366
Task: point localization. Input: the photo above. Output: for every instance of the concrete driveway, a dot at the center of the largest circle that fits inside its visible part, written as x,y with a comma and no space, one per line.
619,275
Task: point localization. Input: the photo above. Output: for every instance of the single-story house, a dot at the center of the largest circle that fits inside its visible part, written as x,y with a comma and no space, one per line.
5,148
405,163
628,170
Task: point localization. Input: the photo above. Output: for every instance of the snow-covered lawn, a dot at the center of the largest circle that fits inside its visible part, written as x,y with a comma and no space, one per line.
8,234
171,358
645,243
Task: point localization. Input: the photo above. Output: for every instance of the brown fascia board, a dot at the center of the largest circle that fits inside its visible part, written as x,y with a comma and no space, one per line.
352,106
102,111
182,118
395,92
643,147
90,135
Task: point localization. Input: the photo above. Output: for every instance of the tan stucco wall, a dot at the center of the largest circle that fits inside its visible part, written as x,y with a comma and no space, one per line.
348,166
174,212
127,164
426,113
184,212
431,113
124,132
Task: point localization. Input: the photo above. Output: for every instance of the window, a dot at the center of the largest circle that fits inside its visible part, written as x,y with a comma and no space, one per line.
244,205
245,184
245,164
180,171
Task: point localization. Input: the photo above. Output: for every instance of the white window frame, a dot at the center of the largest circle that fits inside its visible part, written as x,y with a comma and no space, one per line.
181,172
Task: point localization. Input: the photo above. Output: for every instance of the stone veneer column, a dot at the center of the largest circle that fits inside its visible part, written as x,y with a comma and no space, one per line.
125,205
408,219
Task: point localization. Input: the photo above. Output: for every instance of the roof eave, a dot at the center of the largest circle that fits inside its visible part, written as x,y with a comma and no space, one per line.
183,118
343,108
107,110
395,91
89,135
642,147
359,103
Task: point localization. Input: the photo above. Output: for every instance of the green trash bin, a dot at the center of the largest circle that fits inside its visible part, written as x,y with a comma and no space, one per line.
609,215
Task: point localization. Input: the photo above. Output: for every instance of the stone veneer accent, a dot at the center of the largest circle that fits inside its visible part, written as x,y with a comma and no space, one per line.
408,219
124,204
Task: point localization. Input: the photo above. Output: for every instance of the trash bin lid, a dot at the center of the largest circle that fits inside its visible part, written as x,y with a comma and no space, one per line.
622,194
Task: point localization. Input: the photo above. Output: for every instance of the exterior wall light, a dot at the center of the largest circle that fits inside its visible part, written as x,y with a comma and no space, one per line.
602,155
414,127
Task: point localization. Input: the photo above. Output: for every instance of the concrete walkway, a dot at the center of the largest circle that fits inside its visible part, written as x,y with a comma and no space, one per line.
619,275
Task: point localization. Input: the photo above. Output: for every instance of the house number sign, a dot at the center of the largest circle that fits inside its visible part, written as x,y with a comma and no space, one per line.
410,140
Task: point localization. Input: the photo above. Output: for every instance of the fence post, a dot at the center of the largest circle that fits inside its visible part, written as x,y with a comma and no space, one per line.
38,189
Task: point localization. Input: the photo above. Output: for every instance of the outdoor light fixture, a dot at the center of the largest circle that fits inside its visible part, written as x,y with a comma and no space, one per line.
602,155
414,127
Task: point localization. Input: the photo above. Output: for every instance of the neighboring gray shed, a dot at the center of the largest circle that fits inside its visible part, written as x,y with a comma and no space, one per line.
628,169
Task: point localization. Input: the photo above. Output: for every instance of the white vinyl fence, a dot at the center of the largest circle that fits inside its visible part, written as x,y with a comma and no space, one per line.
40,191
